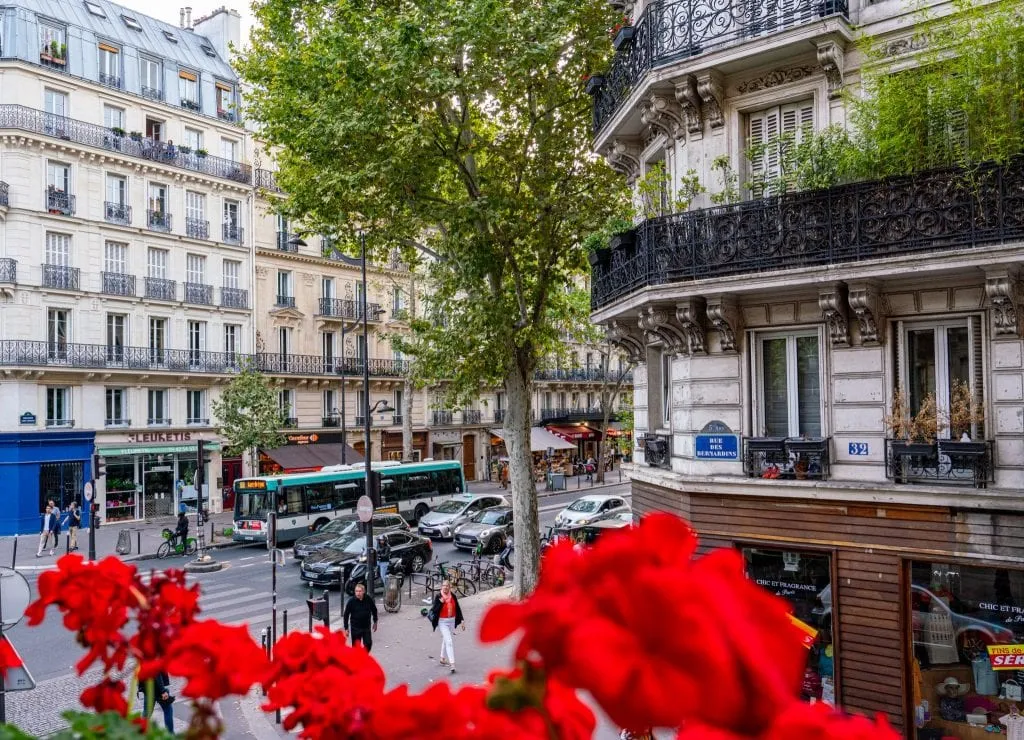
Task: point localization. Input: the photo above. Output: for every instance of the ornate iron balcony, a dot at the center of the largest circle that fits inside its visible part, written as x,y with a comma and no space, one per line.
786,458
582,374
471,416
234,298
158,421
344,308
60,423
60,276
161,289
153,93
110,80
945,461
190,104
441,418
118,422
225,115
196,228
285,301
24,353
199,294
117,283
265,181
276,362
158,220
8,270
36,121
4,194
499,415
330,421
197,422
117,213
232,234
672,30
59,202
283,239
922,213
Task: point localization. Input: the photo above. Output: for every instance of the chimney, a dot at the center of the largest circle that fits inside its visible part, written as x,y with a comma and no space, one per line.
181,18
188,17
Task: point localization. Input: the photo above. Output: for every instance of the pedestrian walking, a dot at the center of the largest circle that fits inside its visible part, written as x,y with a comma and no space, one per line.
161,686
74,522
446,614
383,559
44,537
359,612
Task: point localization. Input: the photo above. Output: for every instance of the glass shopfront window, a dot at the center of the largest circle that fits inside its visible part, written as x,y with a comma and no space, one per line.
121,489
968,663
804,579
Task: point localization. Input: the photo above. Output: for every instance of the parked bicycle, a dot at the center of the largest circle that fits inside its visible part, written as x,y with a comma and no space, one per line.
173,545
484,571
461,585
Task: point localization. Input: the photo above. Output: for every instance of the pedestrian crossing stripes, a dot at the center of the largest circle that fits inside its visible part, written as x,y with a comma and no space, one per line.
237,605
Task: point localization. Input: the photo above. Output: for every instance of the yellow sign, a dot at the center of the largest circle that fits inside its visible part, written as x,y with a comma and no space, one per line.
250,485
1006,657
809,633
388,509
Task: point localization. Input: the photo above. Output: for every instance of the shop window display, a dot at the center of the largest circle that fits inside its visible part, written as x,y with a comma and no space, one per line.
121,490
804,579
968,663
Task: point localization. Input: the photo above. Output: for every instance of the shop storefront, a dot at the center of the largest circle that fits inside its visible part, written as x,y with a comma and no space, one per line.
307,452
391,444
582,436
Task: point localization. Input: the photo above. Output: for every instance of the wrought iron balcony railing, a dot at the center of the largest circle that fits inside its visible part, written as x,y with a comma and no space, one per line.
397,419
153,93
786,458
945,461
197,421
923,213
110,80
89,134
117,213
190,104
161,289
5,199
118,422
471,416
232,234
499,415
234,298
571,413
199,294
197,228
117,283
265,180
158,421
60,276
60,423
344,308
285,301
583,374
25,353
290,422
59,202
330,421
284,242
441,418
158,220
8,270
672,30
276,362
226,115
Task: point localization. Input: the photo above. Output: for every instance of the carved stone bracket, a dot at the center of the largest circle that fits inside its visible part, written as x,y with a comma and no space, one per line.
831,59
689,102
663,115
659,328
866,303
833,301
775,77
725,316
711,91
1004,293
690,314
624,158
627,339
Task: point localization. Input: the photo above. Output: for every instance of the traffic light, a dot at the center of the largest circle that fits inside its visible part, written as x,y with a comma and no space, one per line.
99,467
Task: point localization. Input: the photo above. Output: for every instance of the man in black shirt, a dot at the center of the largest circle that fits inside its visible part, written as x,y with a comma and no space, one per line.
358,612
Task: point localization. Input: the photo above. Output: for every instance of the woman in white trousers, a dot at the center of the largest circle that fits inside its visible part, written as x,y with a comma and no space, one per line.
447,614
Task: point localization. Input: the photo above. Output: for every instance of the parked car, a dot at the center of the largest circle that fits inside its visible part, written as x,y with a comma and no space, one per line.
586,534
490,528
590,508
442,520
333,565
344,524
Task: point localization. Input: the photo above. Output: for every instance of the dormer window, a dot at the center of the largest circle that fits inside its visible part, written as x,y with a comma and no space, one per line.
225,101
94,9
208,50
170,37
131,23
53,50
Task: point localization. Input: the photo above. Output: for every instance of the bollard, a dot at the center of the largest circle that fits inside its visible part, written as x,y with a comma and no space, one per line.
67,544
265,646
284,630
138,541
212,533
14,555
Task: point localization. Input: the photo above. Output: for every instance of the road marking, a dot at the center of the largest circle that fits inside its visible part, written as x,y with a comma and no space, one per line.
230,596
281,603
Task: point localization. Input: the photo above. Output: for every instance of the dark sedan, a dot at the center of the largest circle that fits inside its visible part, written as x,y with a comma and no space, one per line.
333,564
343,525
490,528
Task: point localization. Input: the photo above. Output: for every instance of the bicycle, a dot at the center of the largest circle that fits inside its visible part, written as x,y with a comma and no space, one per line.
460,584
487,574
172,544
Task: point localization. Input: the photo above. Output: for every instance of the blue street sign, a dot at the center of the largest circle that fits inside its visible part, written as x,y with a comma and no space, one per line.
858,448
717,447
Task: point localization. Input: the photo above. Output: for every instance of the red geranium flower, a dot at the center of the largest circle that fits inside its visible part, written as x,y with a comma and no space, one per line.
168,607
657,637
106,696
801,721
216,660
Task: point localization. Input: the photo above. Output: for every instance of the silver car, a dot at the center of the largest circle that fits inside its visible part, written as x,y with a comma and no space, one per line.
441,521
489,529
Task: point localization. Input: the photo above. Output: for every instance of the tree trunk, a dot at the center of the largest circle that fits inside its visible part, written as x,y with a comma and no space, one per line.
524,492
606,411
406,412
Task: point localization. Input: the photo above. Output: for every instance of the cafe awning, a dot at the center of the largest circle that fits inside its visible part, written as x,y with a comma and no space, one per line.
574,433
312,457
153,449
540,440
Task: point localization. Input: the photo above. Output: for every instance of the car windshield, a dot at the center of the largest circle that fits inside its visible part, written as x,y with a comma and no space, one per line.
450,507
354,543
338,526
253,505
585,507
488,516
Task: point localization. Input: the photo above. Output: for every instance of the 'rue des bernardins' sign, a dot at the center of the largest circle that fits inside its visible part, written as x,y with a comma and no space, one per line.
716,441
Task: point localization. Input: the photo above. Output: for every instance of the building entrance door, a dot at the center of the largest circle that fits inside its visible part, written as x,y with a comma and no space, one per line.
469,456
158,490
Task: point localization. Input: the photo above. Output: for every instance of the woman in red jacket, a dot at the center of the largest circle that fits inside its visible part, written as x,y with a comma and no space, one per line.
447,614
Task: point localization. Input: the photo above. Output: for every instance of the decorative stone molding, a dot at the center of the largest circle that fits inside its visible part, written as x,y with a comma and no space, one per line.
1004,293
775,78
689,102
659,329
662,115
905,45
832,61
710,89
690,314
627,339
624,158
259,341
261,272
866,302
833,301
725,317
308,279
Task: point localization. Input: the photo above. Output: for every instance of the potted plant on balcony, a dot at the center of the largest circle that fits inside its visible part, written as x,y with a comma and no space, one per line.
594,83
912,438
117,131
623,36
135,136
965,416
200,152
185,149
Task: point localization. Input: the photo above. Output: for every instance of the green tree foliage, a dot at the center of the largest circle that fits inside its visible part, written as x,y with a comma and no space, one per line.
249,415
461,126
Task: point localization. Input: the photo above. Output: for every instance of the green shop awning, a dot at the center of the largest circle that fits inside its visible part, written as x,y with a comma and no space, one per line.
152,449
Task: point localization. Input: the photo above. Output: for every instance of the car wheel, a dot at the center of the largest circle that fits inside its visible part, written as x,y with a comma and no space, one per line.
416,564
421,511
495,544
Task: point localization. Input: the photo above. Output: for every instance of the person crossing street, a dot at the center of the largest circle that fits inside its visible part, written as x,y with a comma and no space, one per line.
359,612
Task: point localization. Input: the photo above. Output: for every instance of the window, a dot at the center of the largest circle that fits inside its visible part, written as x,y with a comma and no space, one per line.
58,407
152,72
58,176
157,259
131,22
154,129
170,36
58,249
52,38
117,190
157,407
188,89
286,402
228,149
195,268
117,407
208,50
157,338
360,346
115,258
231,271
769,133
195,206
329,404
360,406
399,398
55,103
284,284
117,332
327,340
283,339
327,288
195,407
232,221
196,340
113,117
110,65
94,9
789,385
58,327
397,300
193,139
157,198
225,98
359,298
231,334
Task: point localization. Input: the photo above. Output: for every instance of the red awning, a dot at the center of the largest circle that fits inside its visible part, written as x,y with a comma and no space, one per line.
575,433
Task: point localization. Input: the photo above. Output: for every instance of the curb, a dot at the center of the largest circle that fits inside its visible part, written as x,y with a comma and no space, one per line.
152,555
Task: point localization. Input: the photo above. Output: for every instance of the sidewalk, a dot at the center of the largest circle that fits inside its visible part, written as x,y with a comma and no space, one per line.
572,484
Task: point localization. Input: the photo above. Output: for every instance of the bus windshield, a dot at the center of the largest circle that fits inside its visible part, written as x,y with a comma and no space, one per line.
253,505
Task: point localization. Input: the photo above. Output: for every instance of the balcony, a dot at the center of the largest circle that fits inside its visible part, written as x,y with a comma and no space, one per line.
53,59
33,120
197,422
8,270
564,414
119,422
24,353
158,220
583,374
343,308
110,80
499,416
657,450
440,418
924,213
158,421
276,362
285,301
397,419
192,105
330,421
161,289
60,203
152,93
234,298
61,277
59,423
117,283
290,422
945,461
360,421
232,234
284,239
198,294
117,213
226,115
196,228
786,458
265,181
675,30
471,416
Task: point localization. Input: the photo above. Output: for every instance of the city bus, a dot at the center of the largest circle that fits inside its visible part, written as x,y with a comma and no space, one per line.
306,501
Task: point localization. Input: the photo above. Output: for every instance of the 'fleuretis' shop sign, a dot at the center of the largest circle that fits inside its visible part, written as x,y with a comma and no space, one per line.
147,437
716,442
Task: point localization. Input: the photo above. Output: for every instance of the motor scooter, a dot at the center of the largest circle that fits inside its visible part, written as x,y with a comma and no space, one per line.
504,558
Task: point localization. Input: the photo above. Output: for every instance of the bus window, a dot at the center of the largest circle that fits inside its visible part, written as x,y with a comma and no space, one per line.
389,491
291,503
253,505
346,494
320,497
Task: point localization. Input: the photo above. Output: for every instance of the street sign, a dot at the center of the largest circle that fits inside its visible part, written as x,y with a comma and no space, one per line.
15,596
364,509
88,491
17,678
717,447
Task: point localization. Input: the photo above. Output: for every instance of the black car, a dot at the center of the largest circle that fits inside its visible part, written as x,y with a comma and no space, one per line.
490,527
344,524
334,564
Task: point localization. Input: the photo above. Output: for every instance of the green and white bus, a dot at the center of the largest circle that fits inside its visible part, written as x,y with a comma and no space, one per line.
306,501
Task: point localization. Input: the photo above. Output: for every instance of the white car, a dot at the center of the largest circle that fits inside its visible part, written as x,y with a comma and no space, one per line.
441,521
589,509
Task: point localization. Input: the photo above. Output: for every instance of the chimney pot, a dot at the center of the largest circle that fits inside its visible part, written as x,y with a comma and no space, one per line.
181,18
188,17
